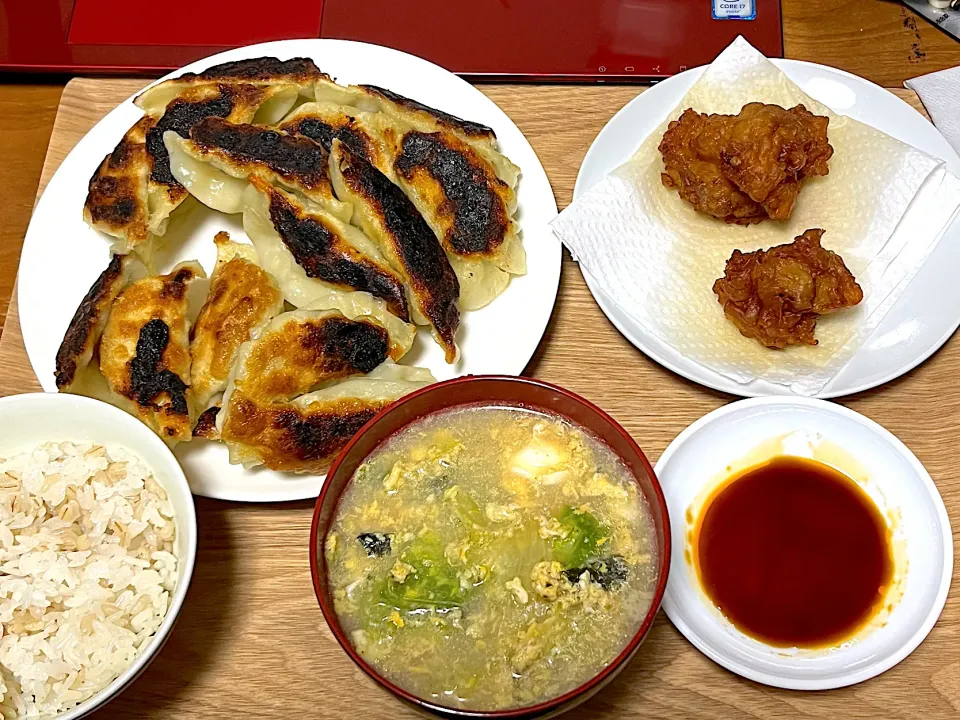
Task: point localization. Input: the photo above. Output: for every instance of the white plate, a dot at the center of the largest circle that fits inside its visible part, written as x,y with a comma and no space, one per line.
924,317
62,255
891,475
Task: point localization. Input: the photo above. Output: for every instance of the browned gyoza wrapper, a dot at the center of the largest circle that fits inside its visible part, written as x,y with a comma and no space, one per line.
133,192
385,214
269,415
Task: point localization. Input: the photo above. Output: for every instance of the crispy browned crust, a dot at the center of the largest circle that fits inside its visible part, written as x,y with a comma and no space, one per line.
255,71
113,201
317,247
473,208
116,194
428,271
775,296
293,439
227,315
467,127
324,132
116,198
315,351
148,378
206,426
294,158
134,356
746,167
186,111
82,333
691,149
261,69
242,295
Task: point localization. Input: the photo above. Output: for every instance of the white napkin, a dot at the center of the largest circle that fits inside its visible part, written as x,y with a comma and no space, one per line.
658,258
940,94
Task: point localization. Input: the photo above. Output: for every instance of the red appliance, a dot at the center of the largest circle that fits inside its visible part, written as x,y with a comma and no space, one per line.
542,40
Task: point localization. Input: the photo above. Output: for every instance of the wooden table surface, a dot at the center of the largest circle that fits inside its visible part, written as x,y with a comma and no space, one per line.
251,641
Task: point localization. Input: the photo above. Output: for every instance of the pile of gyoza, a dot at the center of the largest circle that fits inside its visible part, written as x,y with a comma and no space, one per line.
369,214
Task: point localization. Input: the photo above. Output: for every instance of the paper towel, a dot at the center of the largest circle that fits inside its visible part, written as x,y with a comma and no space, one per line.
940,94
658,258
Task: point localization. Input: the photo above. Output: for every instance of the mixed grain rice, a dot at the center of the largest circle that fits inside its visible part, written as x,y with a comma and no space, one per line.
87,567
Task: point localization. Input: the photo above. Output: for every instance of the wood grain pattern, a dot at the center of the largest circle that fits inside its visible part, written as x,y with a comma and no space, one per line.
251,641
881,40
26,116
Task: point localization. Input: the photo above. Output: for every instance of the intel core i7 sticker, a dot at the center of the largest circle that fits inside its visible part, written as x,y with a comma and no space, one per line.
734,10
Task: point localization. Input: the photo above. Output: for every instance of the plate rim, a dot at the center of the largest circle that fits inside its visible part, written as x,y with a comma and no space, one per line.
928,485
705,377
549,286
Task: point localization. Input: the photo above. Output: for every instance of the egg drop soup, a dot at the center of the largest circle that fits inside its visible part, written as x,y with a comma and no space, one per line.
491,558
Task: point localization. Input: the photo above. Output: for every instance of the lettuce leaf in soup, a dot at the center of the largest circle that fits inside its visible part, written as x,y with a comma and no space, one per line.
585,537
432,583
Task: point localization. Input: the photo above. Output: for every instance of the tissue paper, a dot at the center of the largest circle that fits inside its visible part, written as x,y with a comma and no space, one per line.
658,258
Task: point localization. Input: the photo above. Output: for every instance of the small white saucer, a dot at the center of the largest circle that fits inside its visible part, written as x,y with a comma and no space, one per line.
747,432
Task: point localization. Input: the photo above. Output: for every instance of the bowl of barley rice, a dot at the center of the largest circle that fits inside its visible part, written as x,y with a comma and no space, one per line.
98,538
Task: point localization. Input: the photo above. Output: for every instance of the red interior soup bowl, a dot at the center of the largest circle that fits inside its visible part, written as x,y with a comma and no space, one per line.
493,392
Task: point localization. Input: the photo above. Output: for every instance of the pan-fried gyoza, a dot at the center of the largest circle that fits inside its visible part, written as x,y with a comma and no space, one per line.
371,98
242,298
467,199
219,156
117,195
145,351
304,434
384,213
467,206
133,192
263,72
82,337
313,254
405,114
296,353
302,349
324,121
368,212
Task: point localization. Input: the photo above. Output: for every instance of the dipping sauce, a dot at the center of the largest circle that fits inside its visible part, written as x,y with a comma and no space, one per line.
794,553
491,558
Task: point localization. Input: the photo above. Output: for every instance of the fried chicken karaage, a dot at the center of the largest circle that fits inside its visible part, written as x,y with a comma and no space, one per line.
747,167
775,296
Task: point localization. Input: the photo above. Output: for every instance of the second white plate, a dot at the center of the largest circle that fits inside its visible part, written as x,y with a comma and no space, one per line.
894,478
925,316
62,256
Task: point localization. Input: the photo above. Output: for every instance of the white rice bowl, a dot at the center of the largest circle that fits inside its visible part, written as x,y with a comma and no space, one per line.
87,570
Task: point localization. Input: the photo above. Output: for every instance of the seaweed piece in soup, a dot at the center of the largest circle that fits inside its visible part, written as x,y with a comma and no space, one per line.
608,572
376,544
